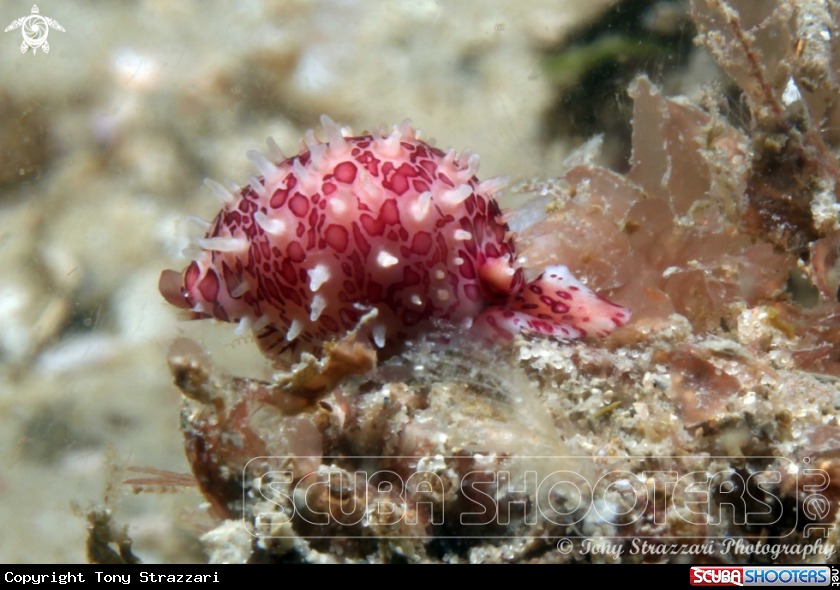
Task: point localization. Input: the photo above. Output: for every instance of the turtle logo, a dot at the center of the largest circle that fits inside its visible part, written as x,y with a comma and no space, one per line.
35,29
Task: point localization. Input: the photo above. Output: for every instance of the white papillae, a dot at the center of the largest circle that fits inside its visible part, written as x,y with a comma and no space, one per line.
390,146
270,225
244,325
374,192
449,157
274,149
240,290
421,207
384,259
300,171
266,168
261,323
457,196
223,244
294,330
319,304
257,186
379,335
338,206
408,132
493,185
318,276
472,165
309,139
338,147
225,196
199,223
317,156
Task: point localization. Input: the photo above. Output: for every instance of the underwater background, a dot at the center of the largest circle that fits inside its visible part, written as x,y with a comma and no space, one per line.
712,216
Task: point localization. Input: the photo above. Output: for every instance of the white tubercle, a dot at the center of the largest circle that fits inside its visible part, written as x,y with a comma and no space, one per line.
199,223
256,185
223,244
440,274
407,130
240,290
319,304
266,168
379,335
225,196
337,205
467,323
244,325
493,185
232,186
458,261
449,158
471,166
338,146
310,139
274,149
300,171
199,308
373,191
390,146
316,155
318,276
462,235
347,131
464,157
416,300
421,206
261,323
269,225
443,294
384,259
457,196
294,330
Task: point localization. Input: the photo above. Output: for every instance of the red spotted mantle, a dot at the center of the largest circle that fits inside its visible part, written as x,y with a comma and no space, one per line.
381,221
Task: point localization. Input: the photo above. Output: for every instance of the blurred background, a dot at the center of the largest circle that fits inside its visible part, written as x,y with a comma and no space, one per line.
105,141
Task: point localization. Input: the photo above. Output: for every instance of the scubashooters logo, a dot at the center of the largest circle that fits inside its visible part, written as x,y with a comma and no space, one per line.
763,576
